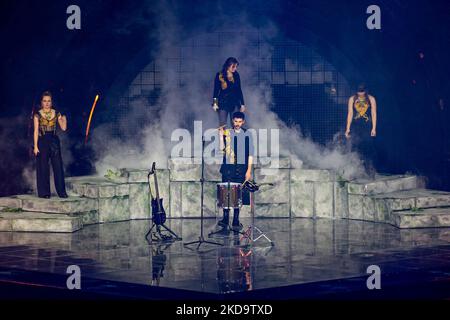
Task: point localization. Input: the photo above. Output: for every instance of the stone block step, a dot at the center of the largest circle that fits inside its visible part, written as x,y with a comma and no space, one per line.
380,207
10,202
383,184
58,205
184,169
278,191
141,175
308,175
415,198
424,218
39,222
95,187
276,163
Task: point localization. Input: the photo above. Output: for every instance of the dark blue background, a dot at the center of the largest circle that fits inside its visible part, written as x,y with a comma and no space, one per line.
39,53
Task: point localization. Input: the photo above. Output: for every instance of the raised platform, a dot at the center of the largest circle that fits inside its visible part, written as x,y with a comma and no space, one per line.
399,200
39,222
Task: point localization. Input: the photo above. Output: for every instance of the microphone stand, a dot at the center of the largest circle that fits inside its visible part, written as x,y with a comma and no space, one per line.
201,240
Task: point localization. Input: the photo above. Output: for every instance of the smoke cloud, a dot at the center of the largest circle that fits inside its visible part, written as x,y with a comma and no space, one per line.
186,94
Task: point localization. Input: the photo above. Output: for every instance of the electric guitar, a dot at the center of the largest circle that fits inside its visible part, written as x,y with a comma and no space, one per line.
158,213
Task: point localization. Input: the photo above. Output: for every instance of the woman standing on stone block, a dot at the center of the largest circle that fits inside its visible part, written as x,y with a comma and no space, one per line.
362,119
227,95
47,147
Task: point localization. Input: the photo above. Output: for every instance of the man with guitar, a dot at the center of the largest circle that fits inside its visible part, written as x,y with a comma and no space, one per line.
237,146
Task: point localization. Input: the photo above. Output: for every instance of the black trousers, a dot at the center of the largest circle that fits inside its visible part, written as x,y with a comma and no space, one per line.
364,144
49,150
224,113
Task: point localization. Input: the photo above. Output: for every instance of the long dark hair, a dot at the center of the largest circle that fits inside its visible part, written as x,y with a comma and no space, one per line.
227,64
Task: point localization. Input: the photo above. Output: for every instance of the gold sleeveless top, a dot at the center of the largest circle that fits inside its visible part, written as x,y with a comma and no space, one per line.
47,123
361,107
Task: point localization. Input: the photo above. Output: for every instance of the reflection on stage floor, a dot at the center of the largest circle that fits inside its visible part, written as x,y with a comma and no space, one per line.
305,251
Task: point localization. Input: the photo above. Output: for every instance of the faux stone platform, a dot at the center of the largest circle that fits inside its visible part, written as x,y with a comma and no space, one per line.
57,205
39,222
285,192
30,213
424,218
312,193
397,200
383,184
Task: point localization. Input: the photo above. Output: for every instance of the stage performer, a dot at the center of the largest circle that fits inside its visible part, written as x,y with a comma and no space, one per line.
237,146
47,147
227,96
362,120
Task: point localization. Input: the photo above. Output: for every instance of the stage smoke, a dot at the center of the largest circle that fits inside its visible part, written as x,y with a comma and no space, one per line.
183,100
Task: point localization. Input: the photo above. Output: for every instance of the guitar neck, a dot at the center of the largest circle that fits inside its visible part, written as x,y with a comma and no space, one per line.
156,187
266,184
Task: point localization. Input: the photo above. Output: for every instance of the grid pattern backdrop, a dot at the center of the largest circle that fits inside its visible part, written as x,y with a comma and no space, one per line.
306,89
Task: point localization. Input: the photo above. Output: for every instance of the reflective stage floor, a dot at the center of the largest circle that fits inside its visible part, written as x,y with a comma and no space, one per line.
310,259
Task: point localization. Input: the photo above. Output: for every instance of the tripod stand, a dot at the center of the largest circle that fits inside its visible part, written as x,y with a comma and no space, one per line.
158,236
201,238
249,234
158,214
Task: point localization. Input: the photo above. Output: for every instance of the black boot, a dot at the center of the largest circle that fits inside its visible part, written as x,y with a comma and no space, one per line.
236,226
226,218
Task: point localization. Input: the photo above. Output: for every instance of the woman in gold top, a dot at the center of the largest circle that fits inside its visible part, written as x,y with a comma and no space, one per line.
362,120
47,147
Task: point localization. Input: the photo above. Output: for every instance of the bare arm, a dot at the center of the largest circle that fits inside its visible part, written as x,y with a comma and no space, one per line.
349,116
250,163
62,120
36,134
248,174
373,107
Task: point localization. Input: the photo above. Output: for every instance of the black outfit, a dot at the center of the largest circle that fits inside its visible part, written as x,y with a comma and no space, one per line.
49,150
360,131
238,148
228,94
